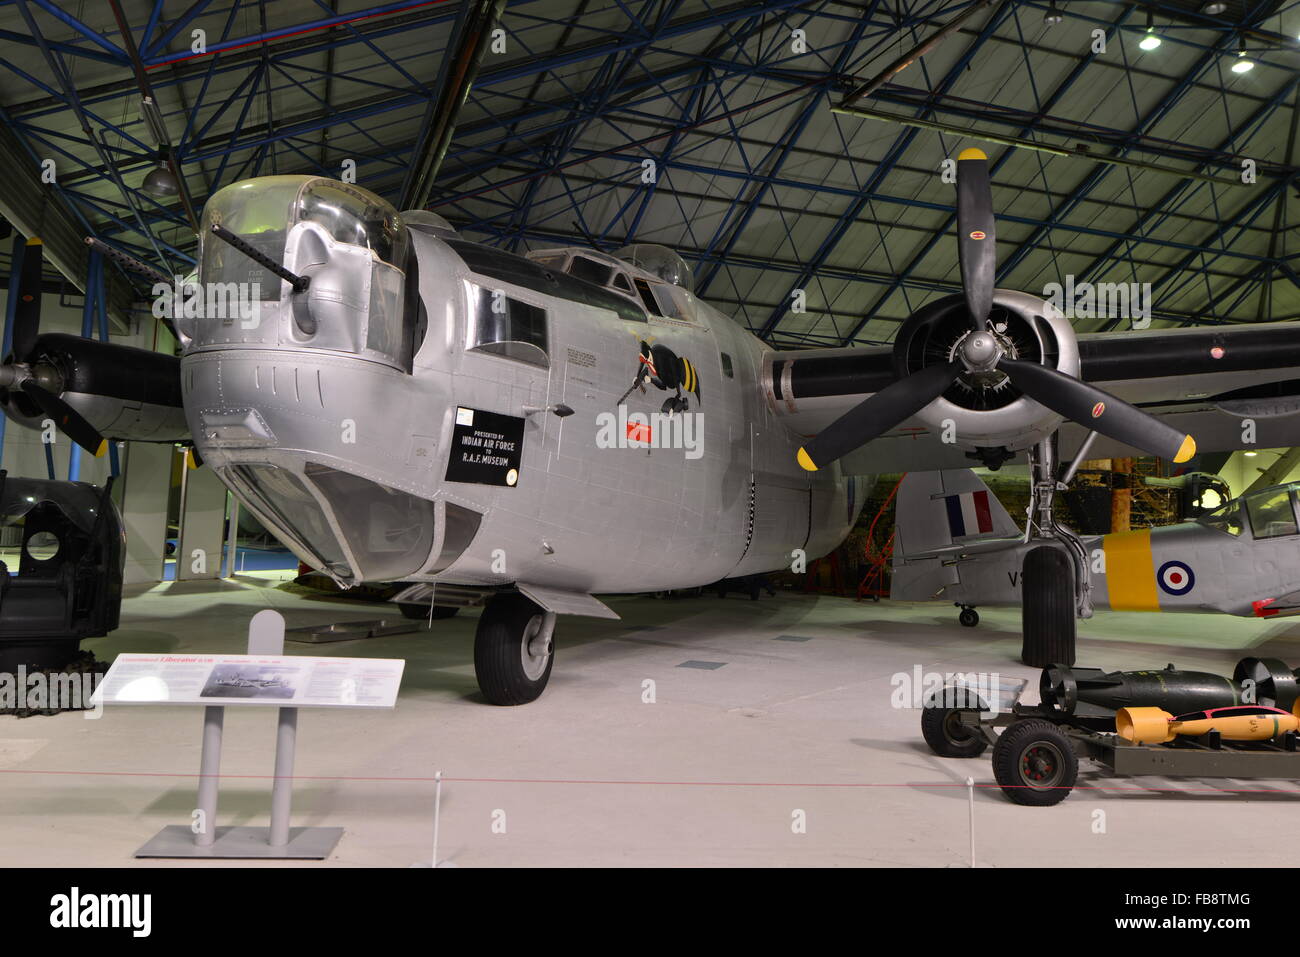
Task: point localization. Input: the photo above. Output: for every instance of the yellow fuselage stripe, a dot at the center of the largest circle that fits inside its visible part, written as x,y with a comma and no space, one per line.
1130,572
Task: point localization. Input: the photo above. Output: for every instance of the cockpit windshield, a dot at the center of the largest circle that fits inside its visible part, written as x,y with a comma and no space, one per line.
659,261
1271,513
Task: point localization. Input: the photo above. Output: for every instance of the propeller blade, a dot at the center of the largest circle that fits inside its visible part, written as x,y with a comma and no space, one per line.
1097,410
69,420
976,234
27,311
872,417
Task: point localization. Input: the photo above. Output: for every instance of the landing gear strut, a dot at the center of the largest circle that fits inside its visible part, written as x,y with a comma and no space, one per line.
513,649
1055,579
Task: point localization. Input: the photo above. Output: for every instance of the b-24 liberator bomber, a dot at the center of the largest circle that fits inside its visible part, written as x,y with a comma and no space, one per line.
403,404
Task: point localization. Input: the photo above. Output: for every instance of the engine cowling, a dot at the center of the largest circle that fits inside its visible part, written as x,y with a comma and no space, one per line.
982,409
124,392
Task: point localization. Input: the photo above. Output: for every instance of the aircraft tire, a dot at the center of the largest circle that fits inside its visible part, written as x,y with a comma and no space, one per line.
1034,763
418,611
507,624
1047,612
969,617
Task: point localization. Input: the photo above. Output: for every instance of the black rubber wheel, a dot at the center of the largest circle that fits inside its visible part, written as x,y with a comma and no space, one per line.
969,617
507,673
419,612
1034,763
1047,611
946,735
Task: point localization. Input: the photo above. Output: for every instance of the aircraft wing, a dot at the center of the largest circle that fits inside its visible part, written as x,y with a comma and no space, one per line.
1206,381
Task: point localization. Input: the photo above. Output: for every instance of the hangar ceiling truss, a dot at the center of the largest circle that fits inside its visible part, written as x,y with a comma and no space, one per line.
708,126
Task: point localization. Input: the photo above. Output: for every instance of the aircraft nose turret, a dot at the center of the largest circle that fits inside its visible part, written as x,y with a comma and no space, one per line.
302,398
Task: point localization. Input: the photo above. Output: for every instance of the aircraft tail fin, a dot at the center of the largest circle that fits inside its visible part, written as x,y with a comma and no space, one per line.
936,510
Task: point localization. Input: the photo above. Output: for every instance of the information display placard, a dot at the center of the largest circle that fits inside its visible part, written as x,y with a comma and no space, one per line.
284,681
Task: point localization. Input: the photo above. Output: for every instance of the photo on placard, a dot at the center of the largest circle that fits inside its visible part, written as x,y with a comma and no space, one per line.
236,680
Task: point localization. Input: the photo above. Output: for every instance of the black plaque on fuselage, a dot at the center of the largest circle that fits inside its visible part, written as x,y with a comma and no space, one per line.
486,448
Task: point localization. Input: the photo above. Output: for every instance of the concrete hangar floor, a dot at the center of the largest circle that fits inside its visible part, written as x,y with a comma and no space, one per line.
762,709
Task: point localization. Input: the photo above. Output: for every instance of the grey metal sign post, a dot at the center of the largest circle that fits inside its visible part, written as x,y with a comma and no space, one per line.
262,677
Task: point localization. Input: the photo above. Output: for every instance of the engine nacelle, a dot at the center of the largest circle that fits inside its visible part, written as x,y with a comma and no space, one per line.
124,392
983,410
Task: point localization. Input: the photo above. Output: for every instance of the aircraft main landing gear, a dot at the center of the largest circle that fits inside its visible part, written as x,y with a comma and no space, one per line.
1056,587
513,649
969,617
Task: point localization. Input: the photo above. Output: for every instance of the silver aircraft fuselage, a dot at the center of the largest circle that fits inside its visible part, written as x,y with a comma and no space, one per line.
340,438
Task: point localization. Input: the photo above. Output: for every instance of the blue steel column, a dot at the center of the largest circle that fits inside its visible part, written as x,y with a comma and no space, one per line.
89,309
16,252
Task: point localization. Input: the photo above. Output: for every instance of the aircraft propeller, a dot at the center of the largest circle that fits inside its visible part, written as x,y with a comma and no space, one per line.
23,371
981,350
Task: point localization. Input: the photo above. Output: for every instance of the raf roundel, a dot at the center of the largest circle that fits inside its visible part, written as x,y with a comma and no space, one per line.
1176,578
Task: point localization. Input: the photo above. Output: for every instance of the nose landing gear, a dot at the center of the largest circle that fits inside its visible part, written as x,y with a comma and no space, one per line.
513,649
969,617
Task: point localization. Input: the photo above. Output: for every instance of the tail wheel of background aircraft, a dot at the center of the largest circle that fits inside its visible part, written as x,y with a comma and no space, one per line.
969,617
1034,763
420,612
1047,610
512,659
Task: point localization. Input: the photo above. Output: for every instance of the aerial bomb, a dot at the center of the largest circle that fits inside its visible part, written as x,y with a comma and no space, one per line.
1177,692
1242,723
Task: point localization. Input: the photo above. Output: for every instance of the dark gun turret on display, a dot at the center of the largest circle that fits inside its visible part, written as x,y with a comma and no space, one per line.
67,586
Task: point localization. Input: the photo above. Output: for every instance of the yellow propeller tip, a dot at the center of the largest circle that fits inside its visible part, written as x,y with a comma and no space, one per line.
101,448
972,154
1186,450
190,460
805,460
35,241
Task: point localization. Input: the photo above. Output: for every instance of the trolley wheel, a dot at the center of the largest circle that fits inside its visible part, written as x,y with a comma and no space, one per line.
945,733
1034,763
969,617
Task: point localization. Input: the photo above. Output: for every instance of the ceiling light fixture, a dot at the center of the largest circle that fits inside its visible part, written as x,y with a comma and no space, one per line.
1243,65
1214,8
1151,40
1053,14
160,182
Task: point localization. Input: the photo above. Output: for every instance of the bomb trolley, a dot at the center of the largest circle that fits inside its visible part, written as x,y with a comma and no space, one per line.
1037,748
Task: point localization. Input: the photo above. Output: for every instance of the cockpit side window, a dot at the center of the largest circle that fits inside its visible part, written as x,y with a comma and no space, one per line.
648,298
590,270
506,326
1271,513
674,301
